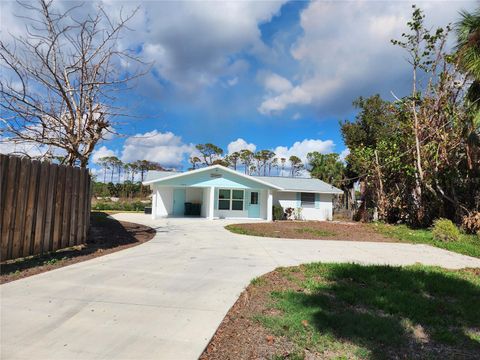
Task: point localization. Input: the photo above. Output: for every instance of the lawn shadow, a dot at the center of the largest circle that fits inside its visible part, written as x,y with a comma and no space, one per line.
394,312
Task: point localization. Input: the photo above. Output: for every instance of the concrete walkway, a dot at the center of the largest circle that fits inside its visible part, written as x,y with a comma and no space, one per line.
165,299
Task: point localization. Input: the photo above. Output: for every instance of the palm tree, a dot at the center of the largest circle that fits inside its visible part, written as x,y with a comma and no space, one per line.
105,164
468,42
114,164
297,165
246,159
194,160
210,152
233,159
126,171
266,157
258,159
133,170
283,161
468,52
273,164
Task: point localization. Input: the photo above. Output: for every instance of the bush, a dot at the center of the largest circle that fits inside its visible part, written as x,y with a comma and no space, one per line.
120,206
471,223
445,230
277,212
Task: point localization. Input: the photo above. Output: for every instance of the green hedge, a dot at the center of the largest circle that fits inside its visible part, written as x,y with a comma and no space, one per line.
120,206
277,212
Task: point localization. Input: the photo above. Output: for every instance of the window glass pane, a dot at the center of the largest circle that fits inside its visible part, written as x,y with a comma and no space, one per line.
224,204
237,205
224,194
308,199
254,198
238,194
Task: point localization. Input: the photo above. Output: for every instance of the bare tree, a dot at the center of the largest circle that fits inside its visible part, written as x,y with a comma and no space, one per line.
62,79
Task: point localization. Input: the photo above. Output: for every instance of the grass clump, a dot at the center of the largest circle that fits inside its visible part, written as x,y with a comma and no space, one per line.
379,312
466,244
243,231
445,230
315,232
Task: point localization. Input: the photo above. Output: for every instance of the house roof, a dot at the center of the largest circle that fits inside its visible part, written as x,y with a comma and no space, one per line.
155,175
301,184
159,176
275,182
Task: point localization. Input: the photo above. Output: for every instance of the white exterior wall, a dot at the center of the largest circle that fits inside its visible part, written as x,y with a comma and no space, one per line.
285,199
263,199
194,195
205,202
289,199
163,202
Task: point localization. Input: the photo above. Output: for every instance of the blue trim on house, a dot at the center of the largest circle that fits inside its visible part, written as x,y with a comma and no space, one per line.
299,200
216,177
317,201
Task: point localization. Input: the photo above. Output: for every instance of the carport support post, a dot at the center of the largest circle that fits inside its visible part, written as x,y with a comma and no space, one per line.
211,203
154,201
269,205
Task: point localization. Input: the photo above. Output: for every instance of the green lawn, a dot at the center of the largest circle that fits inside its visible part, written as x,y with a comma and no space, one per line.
467,244
242,231
348,311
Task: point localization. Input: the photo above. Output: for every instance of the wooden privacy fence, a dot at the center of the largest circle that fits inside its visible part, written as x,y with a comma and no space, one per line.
43,207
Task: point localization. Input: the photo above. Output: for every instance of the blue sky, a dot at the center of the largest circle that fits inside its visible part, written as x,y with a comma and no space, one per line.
264,75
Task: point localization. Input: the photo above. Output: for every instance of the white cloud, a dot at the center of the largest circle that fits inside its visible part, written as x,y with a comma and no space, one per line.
233,81
274,82
345,52
192,43
302,148
345,152
16,148
29,149
296,116
166,148
240,144
101,152
296,95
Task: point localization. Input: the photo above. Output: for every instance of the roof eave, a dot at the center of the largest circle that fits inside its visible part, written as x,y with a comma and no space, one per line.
210,168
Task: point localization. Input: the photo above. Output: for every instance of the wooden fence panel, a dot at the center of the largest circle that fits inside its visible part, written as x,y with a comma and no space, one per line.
81,207
40,218
30,214
43,206
58,214
74,217
9,209
50,209
67,207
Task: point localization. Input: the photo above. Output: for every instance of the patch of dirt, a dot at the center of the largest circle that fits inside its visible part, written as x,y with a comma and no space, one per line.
106,235
315,230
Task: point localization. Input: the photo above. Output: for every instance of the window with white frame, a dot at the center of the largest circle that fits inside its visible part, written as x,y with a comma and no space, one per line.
230,199
307,199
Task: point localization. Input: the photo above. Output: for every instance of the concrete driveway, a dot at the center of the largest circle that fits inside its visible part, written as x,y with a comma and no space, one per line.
165,299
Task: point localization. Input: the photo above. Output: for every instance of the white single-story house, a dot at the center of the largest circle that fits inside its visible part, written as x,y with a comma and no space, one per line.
217,192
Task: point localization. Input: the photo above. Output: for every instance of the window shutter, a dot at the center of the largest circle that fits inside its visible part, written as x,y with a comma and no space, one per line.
317,201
